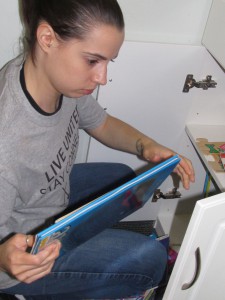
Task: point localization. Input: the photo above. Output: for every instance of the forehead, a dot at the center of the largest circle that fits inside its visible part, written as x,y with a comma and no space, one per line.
103,40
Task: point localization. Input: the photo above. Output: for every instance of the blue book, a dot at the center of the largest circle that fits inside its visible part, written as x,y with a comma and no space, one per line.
105,211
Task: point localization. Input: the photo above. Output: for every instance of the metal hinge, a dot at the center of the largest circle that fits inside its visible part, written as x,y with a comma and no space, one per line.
174,193
190,82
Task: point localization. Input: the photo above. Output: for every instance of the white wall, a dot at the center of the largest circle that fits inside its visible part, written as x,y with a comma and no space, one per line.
10,29
164,21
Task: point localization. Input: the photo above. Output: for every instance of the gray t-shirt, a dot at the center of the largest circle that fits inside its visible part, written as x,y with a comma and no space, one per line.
37,153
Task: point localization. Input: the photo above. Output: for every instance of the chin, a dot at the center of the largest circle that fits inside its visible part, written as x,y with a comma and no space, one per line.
74,95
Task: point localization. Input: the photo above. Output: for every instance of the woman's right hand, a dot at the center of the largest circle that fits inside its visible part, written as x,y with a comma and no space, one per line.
24,266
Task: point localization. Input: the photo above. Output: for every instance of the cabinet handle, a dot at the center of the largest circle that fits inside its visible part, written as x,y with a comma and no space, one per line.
186,286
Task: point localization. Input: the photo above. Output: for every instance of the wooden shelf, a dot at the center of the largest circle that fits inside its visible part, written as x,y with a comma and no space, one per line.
213,133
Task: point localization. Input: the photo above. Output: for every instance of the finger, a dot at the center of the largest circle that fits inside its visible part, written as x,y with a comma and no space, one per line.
19,241
188,168
51,252
41,264
29,240
184,177
48,254
29,262
35,274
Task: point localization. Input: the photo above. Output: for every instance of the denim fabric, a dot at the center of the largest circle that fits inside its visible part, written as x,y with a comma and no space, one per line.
113,264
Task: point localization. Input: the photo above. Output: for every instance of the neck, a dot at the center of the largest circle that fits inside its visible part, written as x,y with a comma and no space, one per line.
39,87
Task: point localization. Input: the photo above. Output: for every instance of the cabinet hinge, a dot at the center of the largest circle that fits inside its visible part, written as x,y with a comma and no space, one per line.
190,82
174,193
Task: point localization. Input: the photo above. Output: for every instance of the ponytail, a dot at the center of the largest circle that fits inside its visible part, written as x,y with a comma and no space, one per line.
29,15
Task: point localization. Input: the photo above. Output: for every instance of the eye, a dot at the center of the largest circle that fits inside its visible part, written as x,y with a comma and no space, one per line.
112,60
92,62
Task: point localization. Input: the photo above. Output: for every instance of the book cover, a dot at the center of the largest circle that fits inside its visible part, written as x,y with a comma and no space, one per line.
105,211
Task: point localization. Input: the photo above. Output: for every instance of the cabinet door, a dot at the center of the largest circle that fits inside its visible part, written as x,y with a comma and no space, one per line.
214,35
199,272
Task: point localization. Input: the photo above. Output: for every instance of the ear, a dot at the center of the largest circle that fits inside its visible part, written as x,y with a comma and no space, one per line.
46,36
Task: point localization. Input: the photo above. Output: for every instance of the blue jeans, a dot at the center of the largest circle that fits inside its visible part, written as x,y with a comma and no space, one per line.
113,264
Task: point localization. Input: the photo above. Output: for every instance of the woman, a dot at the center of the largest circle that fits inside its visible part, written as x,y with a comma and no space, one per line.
45,98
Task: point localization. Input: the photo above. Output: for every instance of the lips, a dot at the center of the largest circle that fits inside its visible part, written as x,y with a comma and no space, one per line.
87,92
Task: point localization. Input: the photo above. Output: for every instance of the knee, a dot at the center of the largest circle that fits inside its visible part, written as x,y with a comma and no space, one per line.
154,260
122,170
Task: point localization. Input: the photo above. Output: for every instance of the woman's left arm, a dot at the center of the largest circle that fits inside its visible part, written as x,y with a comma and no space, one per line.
117,134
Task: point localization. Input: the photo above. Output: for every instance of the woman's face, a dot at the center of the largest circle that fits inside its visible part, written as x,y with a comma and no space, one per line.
76,67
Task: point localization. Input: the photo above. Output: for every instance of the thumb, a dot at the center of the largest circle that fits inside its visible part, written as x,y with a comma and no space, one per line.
29,240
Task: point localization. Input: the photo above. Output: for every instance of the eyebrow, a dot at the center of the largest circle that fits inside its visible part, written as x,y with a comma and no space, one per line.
99,56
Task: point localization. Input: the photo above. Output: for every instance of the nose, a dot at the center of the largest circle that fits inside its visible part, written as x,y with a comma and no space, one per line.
100,76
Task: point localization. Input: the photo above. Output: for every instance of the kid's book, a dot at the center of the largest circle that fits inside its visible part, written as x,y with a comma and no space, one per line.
105,211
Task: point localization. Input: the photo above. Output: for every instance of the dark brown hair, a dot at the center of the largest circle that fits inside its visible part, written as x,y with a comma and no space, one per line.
68,18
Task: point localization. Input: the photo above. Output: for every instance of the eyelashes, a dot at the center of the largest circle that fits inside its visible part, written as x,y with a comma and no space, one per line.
92,62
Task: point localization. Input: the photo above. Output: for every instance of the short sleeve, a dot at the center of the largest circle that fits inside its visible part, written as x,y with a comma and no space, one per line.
91,114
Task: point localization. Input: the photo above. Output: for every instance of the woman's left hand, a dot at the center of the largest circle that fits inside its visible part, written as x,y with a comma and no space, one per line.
154,152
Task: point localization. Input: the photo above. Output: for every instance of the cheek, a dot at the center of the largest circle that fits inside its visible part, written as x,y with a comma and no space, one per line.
62,63
73,71
67,73
67,80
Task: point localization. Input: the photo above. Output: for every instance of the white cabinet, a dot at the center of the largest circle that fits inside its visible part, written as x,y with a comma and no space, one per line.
199,270
214,35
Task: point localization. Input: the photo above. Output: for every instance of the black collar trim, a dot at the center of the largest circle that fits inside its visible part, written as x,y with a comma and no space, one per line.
31,100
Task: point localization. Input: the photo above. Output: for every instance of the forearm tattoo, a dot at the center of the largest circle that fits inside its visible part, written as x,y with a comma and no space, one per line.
139,147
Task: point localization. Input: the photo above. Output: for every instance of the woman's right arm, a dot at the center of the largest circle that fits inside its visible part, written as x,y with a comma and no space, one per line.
24,266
